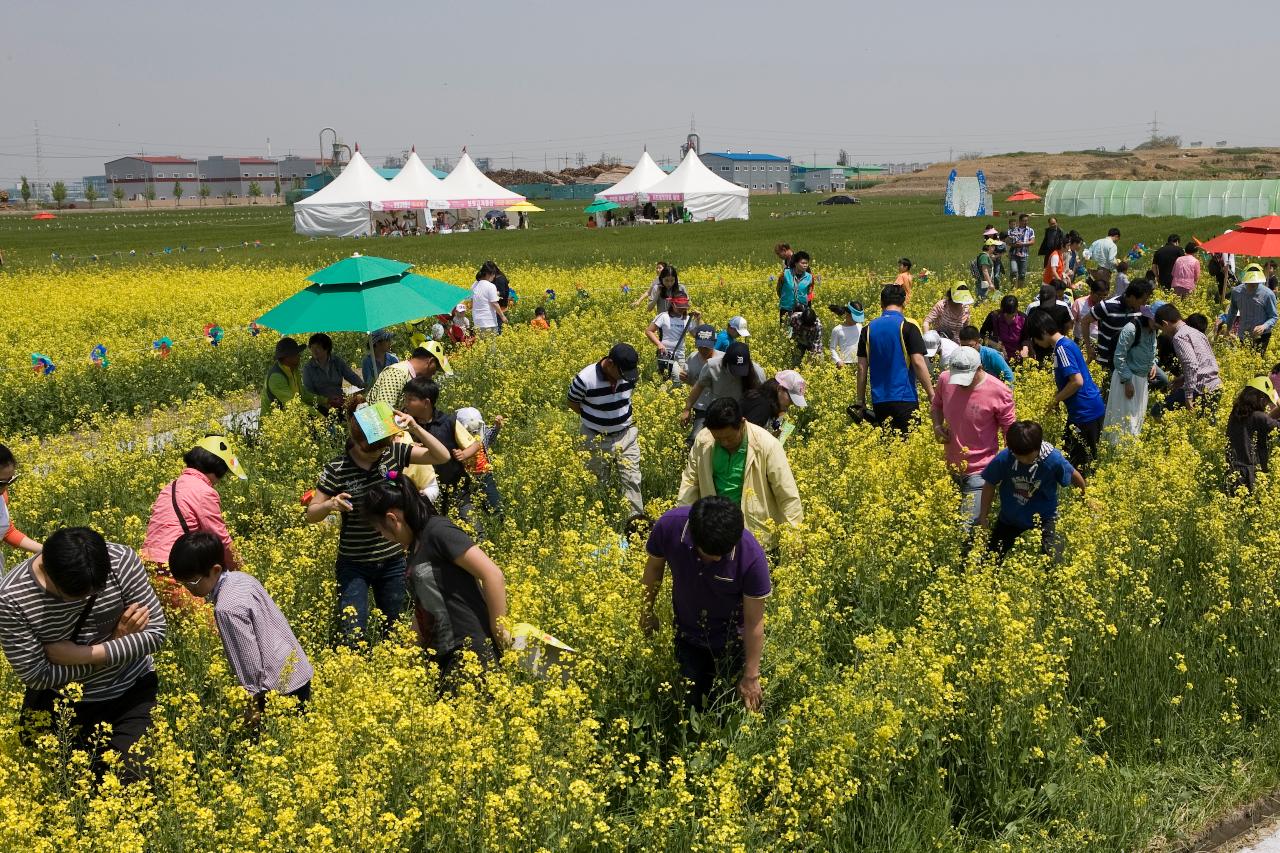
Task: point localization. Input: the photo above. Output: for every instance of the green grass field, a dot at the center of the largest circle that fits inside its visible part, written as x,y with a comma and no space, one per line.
868,237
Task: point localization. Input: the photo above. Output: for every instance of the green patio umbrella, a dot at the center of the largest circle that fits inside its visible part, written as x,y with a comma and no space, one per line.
601,206
359,269
363,307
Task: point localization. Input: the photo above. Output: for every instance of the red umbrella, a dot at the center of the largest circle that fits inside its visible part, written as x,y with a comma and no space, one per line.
1257,238
1023,195
44,216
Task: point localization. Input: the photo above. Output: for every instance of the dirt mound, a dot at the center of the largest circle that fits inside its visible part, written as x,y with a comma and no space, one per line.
1009,172
592,174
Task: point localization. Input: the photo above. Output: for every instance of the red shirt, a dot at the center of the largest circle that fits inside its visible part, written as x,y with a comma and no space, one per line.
201,510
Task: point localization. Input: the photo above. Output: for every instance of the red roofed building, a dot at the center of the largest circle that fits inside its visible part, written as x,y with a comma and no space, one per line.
235,174
135,173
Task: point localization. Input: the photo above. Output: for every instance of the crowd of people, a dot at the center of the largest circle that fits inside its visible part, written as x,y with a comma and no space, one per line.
412,472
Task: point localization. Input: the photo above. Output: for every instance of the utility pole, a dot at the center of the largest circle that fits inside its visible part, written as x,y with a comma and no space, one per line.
39,163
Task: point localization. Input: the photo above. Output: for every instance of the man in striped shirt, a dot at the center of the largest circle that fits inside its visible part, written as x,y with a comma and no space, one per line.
601,395
1112,315
83,611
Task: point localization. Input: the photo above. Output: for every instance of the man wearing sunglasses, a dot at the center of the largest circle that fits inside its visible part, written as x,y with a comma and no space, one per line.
83,611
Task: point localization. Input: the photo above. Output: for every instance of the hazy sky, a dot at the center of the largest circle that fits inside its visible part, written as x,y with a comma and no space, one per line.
900,81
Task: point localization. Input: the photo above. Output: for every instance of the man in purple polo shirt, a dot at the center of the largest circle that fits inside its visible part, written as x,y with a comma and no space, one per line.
719,581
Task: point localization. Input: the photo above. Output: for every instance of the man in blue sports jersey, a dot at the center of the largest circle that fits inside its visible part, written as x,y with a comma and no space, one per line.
891,358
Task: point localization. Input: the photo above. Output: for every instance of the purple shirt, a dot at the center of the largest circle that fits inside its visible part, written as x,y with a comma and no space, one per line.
707,596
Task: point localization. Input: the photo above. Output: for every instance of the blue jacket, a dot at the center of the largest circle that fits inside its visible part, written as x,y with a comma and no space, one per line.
994,363
793,293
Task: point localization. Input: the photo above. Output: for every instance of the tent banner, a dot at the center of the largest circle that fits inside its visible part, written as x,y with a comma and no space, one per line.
661,196
402,204
469,203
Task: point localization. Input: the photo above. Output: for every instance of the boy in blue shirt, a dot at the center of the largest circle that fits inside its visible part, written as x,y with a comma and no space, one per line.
1076,388
992,361
1028,472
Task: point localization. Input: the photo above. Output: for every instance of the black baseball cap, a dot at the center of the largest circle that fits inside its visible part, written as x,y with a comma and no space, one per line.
737,359
705,334
286,347
625,358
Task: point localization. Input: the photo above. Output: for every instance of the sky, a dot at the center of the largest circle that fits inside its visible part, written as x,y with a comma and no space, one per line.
530,82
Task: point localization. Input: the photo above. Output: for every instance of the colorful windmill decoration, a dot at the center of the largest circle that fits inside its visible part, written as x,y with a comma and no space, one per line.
551,294
1138,251
98,356
162,346
41,364
213,334
626,288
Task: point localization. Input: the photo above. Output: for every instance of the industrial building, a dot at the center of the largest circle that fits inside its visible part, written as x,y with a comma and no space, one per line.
816,179
134,174
756,172
233,175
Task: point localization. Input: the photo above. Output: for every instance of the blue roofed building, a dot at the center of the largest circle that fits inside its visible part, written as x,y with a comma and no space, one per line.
756,172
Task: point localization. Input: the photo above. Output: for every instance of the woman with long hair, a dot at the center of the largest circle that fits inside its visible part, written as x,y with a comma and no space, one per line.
365,562
665,285
460,594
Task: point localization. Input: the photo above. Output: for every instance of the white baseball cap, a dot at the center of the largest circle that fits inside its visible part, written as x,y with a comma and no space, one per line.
739,325
964,364
932,341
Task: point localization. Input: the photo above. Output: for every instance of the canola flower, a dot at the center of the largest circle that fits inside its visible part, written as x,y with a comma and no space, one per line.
915,698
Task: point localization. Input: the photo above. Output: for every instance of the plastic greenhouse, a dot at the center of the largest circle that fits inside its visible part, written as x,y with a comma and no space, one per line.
1190,199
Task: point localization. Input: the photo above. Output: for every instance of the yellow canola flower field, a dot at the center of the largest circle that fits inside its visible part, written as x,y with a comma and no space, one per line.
915,698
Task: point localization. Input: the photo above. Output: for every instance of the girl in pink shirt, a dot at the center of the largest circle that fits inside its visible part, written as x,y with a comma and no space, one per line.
191,502
1186,271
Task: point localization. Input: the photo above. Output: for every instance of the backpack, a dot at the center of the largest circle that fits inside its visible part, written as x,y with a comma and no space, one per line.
975,269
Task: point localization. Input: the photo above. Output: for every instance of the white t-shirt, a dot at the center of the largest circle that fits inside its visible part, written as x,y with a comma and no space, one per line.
672,332
483,297
844,342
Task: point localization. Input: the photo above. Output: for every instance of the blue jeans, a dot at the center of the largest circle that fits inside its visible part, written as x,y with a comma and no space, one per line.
1018,267
970,486
390,590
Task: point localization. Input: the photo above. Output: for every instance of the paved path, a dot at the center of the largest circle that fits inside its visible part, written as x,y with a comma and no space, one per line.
1264,839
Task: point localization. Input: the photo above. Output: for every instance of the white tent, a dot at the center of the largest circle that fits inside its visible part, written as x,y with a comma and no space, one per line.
644,175
705,194
343,208
412,188
468,188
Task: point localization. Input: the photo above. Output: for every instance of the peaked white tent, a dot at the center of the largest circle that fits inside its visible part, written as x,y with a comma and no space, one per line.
344,207
641,177
705,194
466,187
413,188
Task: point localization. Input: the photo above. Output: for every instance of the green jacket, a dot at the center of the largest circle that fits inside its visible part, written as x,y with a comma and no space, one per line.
282,385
